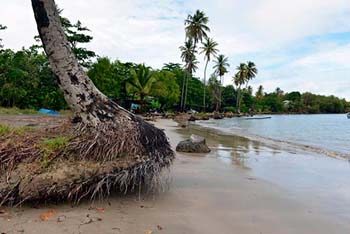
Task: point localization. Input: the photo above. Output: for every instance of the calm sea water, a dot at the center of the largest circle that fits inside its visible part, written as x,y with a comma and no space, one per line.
326,132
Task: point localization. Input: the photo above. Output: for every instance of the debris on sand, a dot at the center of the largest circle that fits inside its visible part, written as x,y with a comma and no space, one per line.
47,215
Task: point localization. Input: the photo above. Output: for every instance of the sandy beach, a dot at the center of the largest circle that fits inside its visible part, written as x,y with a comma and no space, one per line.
240,187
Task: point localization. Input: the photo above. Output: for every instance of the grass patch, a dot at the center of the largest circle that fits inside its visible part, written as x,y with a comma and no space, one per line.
7,130
50,146
4,129
17,111
54,144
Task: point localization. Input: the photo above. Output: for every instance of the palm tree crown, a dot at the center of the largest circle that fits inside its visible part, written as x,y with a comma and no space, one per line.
240,77
196,26
221,65
142,80
251,71
209,48
187,51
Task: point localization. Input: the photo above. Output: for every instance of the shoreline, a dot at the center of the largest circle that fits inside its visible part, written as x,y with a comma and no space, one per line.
275,143
233,189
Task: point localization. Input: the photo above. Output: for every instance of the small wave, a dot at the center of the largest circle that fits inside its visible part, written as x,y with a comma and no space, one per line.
275,143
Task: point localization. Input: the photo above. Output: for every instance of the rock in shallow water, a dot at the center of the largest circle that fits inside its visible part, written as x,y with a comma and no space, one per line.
196,144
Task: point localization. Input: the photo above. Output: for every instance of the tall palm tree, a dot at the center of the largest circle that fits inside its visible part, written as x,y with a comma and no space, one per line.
214,88
208,49
191,67
245,73
260,93
196,30
240,79
221,66
196,27
188,57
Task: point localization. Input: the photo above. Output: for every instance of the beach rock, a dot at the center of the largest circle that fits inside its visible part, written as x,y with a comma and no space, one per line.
218,116
192,118
229,115
204,117
196,144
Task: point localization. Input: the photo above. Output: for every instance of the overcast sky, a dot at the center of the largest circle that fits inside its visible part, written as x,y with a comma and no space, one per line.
297,45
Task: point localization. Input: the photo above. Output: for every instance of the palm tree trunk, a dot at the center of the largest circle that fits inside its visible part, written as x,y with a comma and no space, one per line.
220,93
237,99
87,102
93,110
188,76
205,81
105,136
183,92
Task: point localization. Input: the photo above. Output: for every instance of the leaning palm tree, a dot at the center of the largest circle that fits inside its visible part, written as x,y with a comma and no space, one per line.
208,49
221,66
240,79
187,55
107,148
196,27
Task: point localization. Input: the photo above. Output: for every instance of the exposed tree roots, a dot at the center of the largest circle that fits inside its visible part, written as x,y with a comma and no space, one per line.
93,163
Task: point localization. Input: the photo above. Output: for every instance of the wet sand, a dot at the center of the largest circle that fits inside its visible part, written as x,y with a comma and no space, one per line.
240,187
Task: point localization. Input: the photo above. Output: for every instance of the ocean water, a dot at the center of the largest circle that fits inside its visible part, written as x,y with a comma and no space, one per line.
329,133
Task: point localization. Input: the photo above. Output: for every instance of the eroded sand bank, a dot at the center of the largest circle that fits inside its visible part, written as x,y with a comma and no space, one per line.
240,187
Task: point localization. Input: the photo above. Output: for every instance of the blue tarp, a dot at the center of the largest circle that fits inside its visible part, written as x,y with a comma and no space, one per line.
48,112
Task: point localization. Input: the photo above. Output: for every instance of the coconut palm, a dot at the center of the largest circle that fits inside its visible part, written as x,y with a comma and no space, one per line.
245,73
188,57
208,49
252,71
221,66
240,79
214,89
132,151
191,67
141,82
196,30
260,93
196,27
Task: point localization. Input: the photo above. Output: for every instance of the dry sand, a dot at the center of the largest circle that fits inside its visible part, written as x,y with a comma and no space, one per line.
230,190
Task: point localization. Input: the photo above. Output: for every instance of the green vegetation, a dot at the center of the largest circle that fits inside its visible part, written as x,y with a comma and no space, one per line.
53,144
27,82
8,130
16,111
4,129
49,146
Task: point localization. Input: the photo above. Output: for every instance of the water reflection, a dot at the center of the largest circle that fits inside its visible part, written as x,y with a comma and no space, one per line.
309,175
230,149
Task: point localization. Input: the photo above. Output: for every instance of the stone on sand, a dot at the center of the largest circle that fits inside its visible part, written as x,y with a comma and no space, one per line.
196,144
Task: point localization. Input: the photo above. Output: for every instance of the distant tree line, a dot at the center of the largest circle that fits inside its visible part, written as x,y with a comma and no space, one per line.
26,80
